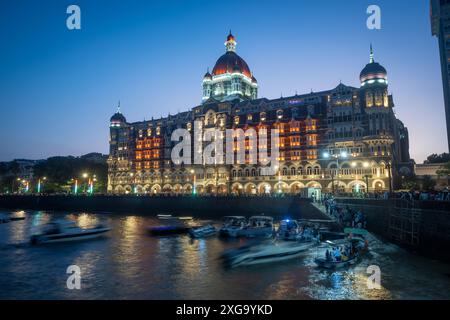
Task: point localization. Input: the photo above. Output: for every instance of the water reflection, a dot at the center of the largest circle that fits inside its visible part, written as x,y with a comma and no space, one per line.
130,264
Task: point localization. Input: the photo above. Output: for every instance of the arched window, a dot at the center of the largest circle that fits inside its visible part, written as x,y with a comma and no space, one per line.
285,171
316,170
292,171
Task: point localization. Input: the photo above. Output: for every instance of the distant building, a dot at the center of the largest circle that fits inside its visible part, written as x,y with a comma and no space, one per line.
342,139
440,27
430,170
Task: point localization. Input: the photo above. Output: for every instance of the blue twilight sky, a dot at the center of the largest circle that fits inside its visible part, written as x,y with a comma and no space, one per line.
58,88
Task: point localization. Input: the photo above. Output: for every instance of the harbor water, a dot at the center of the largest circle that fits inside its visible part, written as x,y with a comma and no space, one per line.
128,263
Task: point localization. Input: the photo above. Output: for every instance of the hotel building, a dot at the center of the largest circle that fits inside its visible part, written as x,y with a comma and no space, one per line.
345,139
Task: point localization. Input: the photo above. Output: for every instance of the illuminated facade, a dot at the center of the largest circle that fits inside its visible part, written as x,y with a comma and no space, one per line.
345,139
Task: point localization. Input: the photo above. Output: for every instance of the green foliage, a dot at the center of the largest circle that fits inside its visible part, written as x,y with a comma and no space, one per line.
428,183
445,170
410,183
58,172
435,158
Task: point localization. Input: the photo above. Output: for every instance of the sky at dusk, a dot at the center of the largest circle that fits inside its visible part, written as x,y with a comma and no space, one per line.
58,88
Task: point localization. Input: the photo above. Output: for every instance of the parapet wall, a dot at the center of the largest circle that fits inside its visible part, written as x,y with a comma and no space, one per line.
210,207
421,226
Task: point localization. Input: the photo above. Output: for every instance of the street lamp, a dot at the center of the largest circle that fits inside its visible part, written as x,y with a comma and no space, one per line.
85,175
389,168
194,188
342,155
40,182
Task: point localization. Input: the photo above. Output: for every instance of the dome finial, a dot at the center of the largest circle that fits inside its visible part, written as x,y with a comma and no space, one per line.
118,107
371,54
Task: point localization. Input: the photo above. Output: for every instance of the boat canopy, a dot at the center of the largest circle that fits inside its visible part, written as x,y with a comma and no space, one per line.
233,217
261,218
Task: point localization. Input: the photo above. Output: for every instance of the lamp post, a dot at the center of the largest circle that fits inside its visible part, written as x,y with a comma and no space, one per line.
84,176
367,183
40,183
133,183
194,188
342,155
389,168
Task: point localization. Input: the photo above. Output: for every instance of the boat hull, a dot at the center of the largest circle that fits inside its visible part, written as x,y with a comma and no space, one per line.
167,231
202,232
268,254
57,238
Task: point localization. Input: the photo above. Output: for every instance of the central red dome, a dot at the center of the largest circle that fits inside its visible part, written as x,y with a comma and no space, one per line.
230,62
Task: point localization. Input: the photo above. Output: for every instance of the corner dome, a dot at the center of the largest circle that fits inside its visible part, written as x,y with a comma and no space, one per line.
373,72
207,76
118,117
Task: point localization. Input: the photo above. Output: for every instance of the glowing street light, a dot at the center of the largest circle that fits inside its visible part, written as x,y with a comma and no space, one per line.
194,189
39,186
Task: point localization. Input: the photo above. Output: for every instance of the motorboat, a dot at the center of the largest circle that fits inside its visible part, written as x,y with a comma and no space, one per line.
266,253
233,226
173,226
66,231
5,218
331,235
203,231
288,230
259,226
343,254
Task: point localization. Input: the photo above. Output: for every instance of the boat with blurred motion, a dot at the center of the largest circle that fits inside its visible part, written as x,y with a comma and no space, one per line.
172,225
264,253
5,218
202,231
233,226
66,231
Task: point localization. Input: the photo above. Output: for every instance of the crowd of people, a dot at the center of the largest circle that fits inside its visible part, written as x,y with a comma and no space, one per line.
346,216
443,195
342,253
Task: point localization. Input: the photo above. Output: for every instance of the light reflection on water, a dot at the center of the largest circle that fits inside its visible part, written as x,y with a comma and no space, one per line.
129,264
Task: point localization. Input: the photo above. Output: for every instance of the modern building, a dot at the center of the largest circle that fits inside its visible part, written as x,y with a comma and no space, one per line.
345,139
440,27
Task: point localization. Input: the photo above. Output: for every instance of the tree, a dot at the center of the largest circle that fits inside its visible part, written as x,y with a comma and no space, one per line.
410,183
428,183
444,170
435,158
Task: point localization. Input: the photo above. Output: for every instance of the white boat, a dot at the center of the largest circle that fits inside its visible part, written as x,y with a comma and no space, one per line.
288,230
259,226
203,231
233,226
66,231
5,218
274,252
